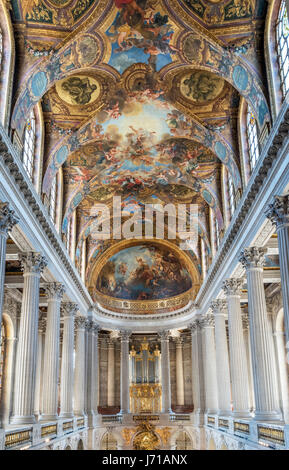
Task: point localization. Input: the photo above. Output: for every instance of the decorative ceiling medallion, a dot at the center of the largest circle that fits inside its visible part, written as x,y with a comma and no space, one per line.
201,87
88,49
78,90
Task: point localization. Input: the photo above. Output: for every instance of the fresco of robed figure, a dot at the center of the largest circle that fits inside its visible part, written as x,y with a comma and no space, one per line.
143,272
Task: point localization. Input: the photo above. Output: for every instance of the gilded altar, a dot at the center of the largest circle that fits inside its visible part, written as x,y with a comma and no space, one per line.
145,398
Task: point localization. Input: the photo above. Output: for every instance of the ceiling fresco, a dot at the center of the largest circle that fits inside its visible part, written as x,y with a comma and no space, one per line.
140,100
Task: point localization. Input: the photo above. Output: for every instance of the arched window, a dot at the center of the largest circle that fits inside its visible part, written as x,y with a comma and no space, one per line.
217,233
252,136
282,31
53,200
68,235
29,145
231,195
2,356
183,441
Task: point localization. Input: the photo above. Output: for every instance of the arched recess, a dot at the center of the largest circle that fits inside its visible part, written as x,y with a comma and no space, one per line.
109,442
7,359
7,64
68,447
272,65
183,441
80,445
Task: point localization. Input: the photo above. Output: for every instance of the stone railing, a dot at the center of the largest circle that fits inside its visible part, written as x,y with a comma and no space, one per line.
111,419
40,434
249,432
180,417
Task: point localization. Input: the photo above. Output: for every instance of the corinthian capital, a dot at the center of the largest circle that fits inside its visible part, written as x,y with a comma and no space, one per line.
278,212
125,335
80,323
54,290
253,257
219,306
164,335
7,218
69,309
32,262
207,321
233,286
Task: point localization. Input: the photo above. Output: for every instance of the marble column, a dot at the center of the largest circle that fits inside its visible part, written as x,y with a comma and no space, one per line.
68,310
92,371
95,377
278,213
180,373
110,373
165,371
264,370
246,327
39,366
32,265
279,337
79,371
7,221
219,308
210,366
124,373
54,292
238,361
198,385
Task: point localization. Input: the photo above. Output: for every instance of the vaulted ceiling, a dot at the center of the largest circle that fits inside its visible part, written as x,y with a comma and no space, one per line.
140,99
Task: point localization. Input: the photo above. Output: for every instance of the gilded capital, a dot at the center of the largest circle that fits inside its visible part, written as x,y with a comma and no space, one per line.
253,257
233,286
32,262
54,290
278,212
7,218
219,306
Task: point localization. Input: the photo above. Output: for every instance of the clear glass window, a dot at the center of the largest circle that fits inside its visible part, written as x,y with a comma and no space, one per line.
282,31
29,145
252,136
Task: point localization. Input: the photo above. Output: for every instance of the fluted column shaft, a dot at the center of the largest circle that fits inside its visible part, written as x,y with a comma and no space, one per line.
283,374
209,358
79,371
38,387
69,310
264,370
219,308
7,221
238,361
278,213
198,384
54,292
110,374
25,373
166,375
124,373
92,371
180,373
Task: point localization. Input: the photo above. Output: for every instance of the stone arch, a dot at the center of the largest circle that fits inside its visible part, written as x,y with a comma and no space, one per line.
6,393
80,445
68,447
182,440
109,441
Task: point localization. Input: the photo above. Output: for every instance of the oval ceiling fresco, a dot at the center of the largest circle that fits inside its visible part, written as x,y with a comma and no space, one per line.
144,272
201,87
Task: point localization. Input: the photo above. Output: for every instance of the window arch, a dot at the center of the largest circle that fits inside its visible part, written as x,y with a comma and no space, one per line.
53,200
252,137
2,356
282,33
231,195
28,155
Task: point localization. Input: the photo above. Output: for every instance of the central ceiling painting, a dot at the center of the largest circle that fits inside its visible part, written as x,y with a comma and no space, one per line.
144,272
